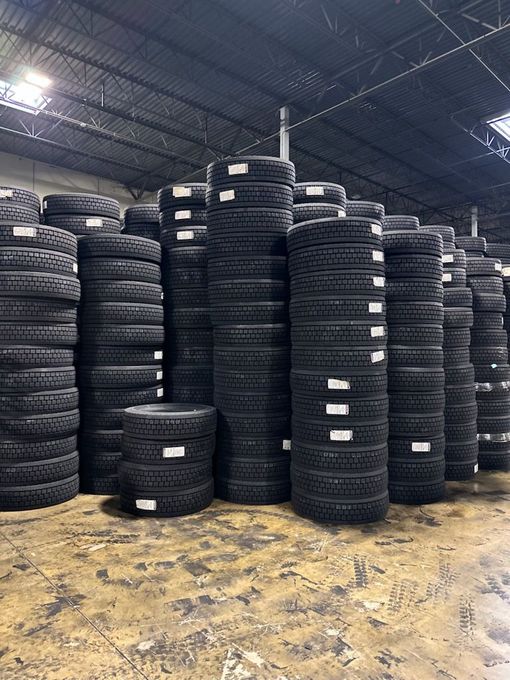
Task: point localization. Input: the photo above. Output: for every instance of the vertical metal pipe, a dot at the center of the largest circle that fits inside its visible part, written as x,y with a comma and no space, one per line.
474,220
284,133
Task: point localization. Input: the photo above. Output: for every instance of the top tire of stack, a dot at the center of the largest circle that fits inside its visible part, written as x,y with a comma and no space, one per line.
120,246
249,195
177,195
412,242
142,213
471,243
14,195
169,421
320,192
264,169
365,209
400,223
41,236
331,230
81,204
448,233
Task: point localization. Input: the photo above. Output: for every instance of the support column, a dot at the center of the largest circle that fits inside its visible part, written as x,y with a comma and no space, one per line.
474,220
284,133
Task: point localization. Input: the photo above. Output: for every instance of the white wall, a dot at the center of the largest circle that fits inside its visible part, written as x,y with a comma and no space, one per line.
48,179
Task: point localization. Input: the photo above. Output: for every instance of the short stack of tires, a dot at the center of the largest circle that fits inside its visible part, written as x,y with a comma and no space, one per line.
338,377
142,220
121,346
316,200
188,362
167,455
249,210
414,294
82,214
39,416
461,449
489,354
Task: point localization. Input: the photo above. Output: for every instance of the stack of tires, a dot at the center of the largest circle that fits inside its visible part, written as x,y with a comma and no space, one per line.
501,251
39,417
461,450
142,220
414,294
489,354
166,468
368,209
338,377
82,214
249,210
188,363
316,200
121,346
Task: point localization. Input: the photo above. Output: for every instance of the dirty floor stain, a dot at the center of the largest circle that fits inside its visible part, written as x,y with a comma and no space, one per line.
240,593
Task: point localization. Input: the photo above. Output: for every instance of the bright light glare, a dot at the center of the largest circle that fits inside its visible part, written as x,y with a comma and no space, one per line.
38,79
23,96
501,125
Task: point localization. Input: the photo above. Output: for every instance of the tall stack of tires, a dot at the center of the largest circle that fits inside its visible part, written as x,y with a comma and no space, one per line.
338,376
166,468
188,365
82,214
461,444
414,294
121,346
39,416
501,251
142,220
316,200
249,210
489,354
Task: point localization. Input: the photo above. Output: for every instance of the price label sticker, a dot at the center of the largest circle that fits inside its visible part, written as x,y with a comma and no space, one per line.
174,451
146,504
377,331
336,384
7,193
377,256
337,409
375,307
158,354
420,447
185,235
238,169
31,232
182,214
228,195
314,191
377,229
447,278
341,435
378,281
286,444
181,192
93,222
375,357
159,392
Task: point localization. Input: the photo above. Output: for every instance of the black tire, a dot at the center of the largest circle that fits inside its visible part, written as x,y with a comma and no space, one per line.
251,169
231,358
317,406
241,402
427,335
419,313
150,231
164,477
20,449
339,282
458,297
339,383
121,291
454,278
332,358
25,197
49,425
119,246
102,417
407,379
38,495
248,312
454,260
178,195
169,421
325,509
458,317
38,311
20,356
84,225
471,243
414,266
303,212
102,377
98,355
447,233
148,451
333,231
175,504
412,243
483,266
21,473
133,313
189,317
49,401
118,398
142,213
186,297
268,267
252,334
182,217
407,290
37,379
94,269
249,195
37,259
339,333
96,463
183,394
81,204
319,192
37,236
257,243
16,212
101,485
456,337
412,493
247,290
368,209
59,335
185,256
252,492
256,380
400,222
39,285
122,334
184,278
191,355
178,237
358,257
322,308
346,432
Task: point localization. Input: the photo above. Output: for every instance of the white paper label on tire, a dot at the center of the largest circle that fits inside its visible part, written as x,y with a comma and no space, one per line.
159,392
75,267
335,384
447,278
375,307
181,192
6,193
420,447
145,504
506,271
238,169
375,357
24,231
448,258
182,214
93,222
337,409
185,235
377,256
162,295
158,354
475,469
314,191
340,435
286,445
377,331
376,229
341,213
497,266
378,281
228,195
159,375
44,205
174,451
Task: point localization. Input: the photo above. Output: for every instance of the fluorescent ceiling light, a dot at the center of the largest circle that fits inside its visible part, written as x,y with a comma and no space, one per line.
24,96
38,79
501,125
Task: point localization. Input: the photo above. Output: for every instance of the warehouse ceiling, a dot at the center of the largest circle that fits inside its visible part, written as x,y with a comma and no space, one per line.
150,92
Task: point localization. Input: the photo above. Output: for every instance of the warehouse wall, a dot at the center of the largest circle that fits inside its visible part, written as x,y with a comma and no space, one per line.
49,179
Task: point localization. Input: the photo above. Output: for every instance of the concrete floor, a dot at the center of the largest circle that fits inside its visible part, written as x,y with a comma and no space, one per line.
238,593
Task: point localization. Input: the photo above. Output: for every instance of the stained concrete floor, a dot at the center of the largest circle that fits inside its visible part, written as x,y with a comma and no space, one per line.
238,593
